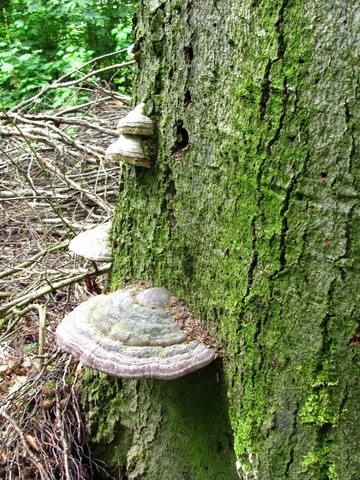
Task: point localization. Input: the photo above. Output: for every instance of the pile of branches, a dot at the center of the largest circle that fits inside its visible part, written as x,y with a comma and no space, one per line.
54,183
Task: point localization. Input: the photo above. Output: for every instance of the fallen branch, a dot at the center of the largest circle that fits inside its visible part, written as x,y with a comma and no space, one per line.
72,83
33,259
40,292
31,455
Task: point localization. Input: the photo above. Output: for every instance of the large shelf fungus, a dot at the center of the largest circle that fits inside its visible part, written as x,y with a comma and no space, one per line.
119,336
93,244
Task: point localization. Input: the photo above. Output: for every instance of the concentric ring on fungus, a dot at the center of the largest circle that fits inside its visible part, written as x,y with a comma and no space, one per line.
121,337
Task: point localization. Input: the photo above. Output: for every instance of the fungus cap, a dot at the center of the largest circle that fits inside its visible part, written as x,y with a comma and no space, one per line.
114,334
93,244
128,149
136,123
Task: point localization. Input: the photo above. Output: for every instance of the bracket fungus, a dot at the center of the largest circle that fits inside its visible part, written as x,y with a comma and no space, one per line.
93,244
119,336
136,123
128,148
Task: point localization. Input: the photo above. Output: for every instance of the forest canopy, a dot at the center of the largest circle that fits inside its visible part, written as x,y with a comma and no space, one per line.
43,40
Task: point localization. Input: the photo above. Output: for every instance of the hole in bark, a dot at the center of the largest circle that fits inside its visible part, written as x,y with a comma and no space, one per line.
292,139
188,55
355,340
171,189
158,83
187,98
182,137
323,176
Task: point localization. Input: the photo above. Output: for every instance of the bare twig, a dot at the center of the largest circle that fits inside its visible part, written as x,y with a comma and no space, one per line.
42,325
71,83
53,183
31,455
40,292
33,259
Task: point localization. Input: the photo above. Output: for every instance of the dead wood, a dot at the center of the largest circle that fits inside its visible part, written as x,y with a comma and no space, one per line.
54,183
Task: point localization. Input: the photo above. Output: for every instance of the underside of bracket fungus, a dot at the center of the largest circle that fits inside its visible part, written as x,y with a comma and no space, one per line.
128,149
121,335
93,244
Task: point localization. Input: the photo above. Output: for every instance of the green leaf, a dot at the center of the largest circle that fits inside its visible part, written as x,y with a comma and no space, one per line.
7,67
25,57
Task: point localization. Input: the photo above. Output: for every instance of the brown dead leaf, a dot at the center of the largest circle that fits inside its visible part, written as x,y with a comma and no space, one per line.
32,442
47,404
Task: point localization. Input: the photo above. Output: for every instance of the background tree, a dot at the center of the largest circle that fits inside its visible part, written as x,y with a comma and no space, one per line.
251,215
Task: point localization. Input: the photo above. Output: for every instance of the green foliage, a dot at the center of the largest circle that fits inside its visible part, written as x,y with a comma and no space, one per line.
46,39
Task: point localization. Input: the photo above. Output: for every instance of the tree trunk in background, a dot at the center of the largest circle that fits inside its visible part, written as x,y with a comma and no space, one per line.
251,215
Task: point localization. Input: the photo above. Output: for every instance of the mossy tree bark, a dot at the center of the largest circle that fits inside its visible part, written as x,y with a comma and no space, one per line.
251,215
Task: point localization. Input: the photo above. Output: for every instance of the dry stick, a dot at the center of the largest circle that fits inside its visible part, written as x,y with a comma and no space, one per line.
56,85
91,196
91,74
33,259
45,165
19,315
61,135
36,134
66,447
91,103
40,292
40,118
57,211
76,409
60,192
32,456
42,325
93,60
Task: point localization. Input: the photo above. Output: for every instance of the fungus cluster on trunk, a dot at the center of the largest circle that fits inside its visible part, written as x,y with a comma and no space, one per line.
129,146
128,334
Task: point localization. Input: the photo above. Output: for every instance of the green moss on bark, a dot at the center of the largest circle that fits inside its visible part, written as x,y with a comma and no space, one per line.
161,429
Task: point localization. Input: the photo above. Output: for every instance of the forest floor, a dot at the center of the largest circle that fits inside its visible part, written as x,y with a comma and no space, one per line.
54,183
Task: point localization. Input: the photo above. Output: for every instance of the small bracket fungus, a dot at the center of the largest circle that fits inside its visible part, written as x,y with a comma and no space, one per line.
136,123
93,244
118,336
128,149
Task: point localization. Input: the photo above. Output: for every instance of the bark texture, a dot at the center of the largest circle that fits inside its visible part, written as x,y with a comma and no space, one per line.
251,215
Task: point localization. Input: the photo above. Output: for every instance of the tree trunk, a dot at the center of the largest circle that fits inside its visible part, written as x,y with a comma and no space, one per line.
251,216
